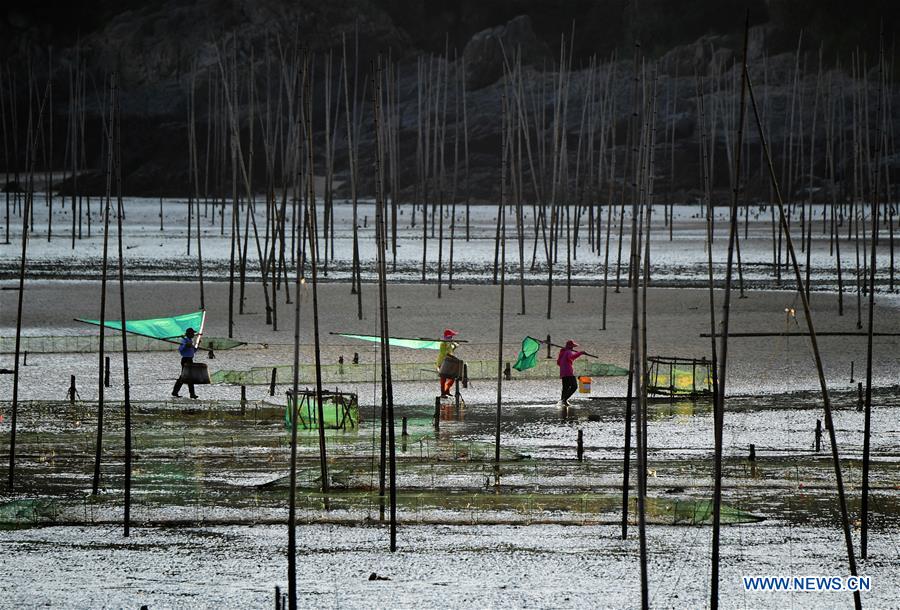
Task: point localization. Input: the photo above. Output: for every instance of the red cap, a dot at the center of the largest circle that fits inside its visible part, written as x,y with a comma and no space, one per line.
449,332
571,344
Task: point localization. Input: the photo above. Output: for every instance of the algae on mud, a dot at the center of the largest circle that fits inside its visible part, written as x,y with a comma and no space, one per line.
215,462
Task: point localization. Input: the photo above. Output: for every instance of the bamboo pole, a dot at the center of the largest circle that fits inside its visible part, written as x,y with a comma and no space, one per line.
458,88
465,144
672,157
381,254
501,214
642,271
313,259
704,164
867,426
246,172
719,405
29,201
195,173
610,205
329,159
6,161
234,213
440,137
49,165
834,238
424,122
73,114
636,355
103,274
626,459
116,126
28,221
14,121
292,499
518,199
845,521
83,151
356,283
856,218
812,149
558,136
393,148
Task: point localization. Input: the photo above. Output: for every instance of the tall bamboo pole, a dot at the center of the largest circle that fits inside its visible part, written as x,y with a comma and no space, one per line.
195,173
707,192
356,284
50,134
829,423
115,123
73,118
867,426
465,144
381,255
501,212
292,499
611,192
719,405
637,356
5,135
234,213
311,226
457,89
103,274
29,201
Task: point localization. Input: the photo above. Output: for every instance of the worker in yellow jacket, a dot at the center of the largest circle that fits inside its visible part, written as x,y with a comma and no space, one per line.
448,346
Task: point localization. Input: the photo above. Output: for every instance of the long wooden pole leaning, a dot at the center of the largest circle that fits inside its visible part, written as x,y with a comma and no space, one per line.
719,403
501,215
117,134
867,425
312,226
845,520
381,254
636,356
292,501
29,201
103,274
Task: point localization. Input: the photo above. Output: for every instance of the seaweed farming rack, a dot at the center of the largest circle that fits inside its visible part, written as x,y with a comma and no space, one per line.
679,377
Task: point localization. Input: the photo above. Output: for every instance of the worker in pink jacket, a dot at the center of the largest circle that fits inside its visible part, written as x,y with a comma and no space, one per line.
565,362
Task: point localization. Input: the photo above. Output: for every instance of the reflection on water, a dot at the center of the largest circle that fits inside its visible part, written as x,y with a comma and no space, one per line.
450,412
681,411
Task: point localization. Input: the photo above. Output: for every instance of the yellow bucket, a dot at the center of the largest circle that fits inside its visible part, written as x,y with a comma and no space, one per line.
584,385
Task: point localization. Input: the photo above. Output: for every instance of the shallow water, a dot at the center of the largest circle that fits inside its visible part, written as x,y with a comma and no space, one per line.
210,461
210,489
153,253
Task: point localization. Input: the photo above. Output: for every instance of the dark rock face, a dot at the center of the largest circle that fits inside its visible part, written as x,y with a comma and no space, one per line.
157,43
162,50
484,53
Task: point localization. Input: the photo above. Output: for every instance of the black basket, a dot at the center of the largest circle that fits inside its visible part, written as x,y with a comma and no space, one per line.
195,373
452,367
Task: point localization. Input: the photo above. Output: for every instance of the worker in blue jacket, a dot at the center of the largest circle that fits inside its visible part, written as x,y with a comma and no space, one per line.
187,349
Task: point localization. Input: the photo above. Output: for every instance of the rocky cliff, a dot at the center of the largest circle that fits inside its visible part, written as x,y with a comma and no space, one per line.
161,50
